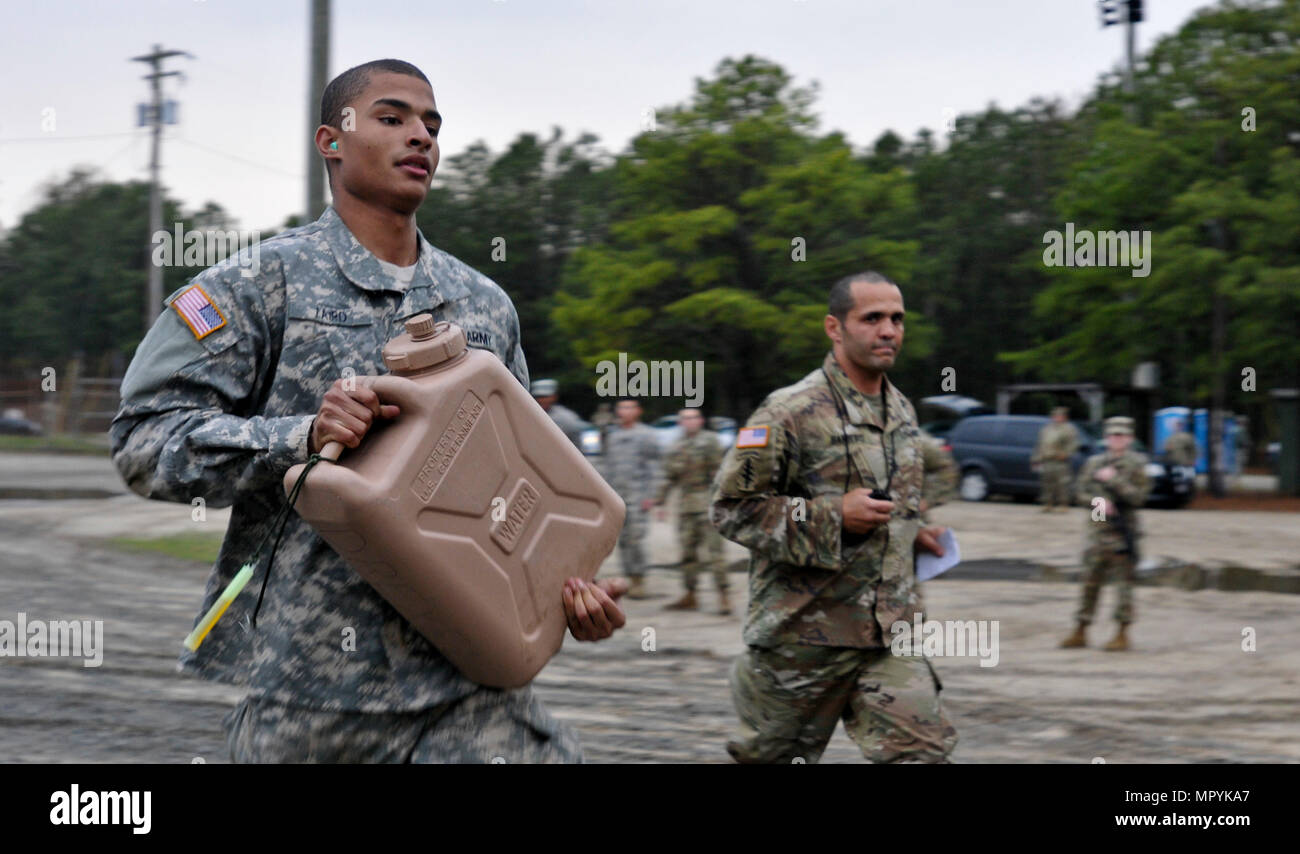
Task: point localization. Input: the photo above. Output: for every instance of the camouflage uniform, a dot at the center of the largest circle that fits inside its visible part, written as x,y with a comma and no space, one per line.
822,599
568,421
630,464
690,466
1106,551
223,415
1056,444
1180,448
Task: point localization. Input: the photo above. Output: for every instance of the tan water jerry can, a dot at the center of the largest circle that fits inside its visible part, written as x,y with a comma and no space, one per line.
468,510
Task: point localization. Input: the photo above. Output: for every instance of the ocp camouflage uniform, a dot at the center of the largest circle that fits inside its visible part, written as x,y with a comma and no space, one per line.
630,464
333,672
1056,444
1107,551
822,599
1180,448
689,467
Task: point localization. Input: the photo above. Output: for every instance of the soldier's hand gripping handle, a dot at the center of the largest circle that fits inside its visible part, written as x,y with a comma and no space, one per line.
862,513
350,408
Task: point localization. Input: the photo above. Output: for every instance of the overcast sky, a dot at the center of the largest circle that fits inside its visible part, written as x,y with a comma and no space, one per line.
499,68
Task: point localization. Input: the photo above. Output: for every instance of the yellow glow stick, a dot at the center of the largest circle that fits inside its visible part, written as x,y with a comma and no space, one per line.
218,608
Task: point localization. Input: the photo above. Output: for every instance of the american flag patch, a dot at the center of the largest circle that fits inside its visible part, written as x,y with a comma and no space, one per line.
197,310
752,437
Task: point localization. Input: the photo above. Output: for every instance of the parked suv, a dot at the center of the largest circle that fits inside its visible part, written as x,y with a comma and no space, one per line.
993,452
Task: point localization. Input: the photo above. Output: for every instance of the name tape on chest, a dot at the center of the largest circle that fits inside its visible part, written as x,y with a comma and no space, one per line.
752,437
198,311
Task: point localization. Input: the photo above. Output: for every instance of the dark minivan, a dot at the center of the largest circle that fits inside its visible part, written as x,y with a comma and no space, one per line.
993,451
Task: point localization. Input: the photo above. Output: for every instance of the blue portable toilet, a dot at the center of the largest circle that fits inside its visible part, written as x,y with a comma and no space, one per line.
1230,444
1228,449
1201,417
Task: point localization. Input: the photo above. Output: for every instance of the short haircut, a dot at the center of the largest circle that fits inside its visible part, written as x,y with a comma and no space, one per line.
841,299
351,83
619,400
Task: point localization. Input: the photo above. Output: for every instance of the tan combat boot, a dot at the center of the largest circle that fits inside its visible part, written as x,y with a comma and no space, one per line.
1079,638
724,604
637,589
686,603
1119,643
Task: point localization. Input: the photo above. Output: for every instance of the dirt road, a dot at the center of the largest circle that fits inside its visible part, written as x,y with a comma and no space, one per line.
1188,693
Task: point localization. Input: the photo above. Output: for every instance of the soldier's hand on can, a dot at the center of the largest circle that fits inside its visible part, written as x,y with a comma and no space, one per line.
346,413
590,609
1104,473
862,513
928,539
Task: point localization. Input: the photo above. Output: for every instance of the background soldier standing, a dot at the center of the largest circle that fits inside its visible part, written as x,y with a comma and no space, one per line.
630,464
602,419
831,568
546,392
1057,442
690,466
1180,447
1119,477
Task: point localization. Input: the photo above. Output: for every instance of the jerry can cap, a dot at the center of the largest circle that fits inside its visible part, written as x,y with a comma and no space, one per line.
424,343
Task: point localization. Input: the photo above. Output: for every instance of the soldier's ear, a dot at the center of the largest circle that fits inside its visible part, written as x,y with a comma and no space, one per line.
832,326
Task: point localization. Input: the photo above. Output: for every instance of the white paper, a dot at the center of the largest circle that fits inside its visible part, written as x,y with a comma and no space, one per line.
928,564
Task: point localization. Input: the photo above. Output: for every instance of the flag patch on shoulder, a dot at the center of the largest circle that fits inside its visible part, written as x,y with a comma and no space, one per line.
752,437
198,311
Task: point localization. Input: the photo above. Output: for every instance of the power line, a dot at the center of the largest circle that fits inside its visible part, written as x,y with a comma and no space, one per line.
54,138
297,176
130,146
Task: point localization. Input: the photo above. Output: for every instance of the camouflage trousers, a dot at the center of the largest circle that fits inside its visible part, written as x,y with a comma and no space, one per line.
1054,477
789,699
700,540
1103,558
631,552
489,726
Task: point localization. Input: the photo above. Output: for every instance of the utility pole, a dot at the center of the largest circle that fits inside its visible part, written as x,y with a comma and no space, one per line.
154,295
1127,12
1218,343
318,62
1130,32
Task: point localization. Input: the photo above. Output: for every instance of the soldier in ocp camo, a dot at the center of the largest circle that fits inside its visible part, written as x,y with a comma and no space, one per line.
689,467
832,567
1180,447
1113,485
1057,442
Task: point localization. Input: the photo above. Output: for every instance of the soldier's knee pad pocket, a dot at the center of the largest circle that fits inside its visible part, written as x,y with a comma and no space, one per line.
758,677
